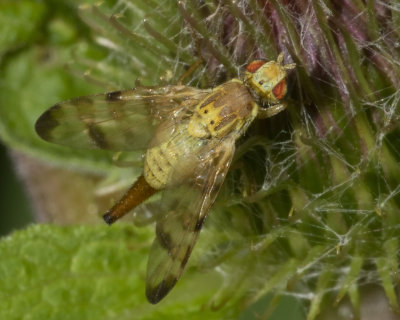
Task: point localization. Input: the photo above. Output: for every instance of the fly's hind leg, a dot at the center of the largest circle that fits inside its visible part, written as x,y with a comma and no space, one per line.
271,111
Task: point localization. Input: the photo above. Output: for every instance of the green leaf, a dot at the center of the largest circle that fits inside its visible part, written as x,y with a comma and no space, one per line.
29,85
36,43
96,272
20,22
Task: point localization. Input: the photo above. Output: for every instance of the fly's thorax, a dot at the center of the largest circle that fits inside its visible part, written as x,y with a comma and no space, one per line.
229,108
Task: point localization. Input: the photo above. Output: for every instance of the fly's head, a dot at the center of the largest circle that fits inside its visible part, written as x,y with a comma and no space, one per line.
267,80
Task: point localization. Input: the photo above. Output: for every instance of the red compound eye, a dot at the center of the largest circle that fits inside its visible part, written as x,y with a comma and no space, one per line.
279,90
254,65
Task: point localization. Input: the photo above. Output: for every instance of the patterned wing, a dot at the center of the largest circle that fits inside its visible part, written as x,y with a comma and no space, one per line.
178,230
120,120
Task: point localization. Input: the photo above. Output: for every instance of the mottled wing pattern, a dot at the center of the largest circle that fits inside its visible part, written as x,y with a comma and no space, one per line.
120,120
186,208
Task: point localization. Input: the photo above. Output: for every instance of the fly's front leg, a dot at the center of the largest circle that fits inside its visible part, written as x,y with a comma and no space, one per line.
264,113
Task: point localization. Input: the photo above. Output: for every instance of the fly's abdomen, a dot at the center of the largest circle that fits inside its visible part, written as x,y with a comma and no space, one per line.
159,163
172,161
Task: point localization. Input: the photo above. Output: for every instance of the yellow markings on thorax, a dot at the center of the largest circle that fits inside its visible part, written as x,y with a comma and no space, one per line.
223,111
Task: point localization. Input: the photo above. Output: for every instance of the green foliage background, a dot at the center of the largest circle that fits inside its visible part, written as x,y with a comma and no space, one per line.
16,212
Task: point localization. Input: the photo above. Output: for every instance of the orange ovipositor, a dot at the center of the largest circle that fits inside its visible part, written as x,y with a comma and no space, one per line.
139,192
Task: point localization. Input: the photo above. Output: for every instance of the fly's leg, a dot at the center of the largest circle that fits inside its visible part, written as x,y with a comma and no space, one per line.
271,111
